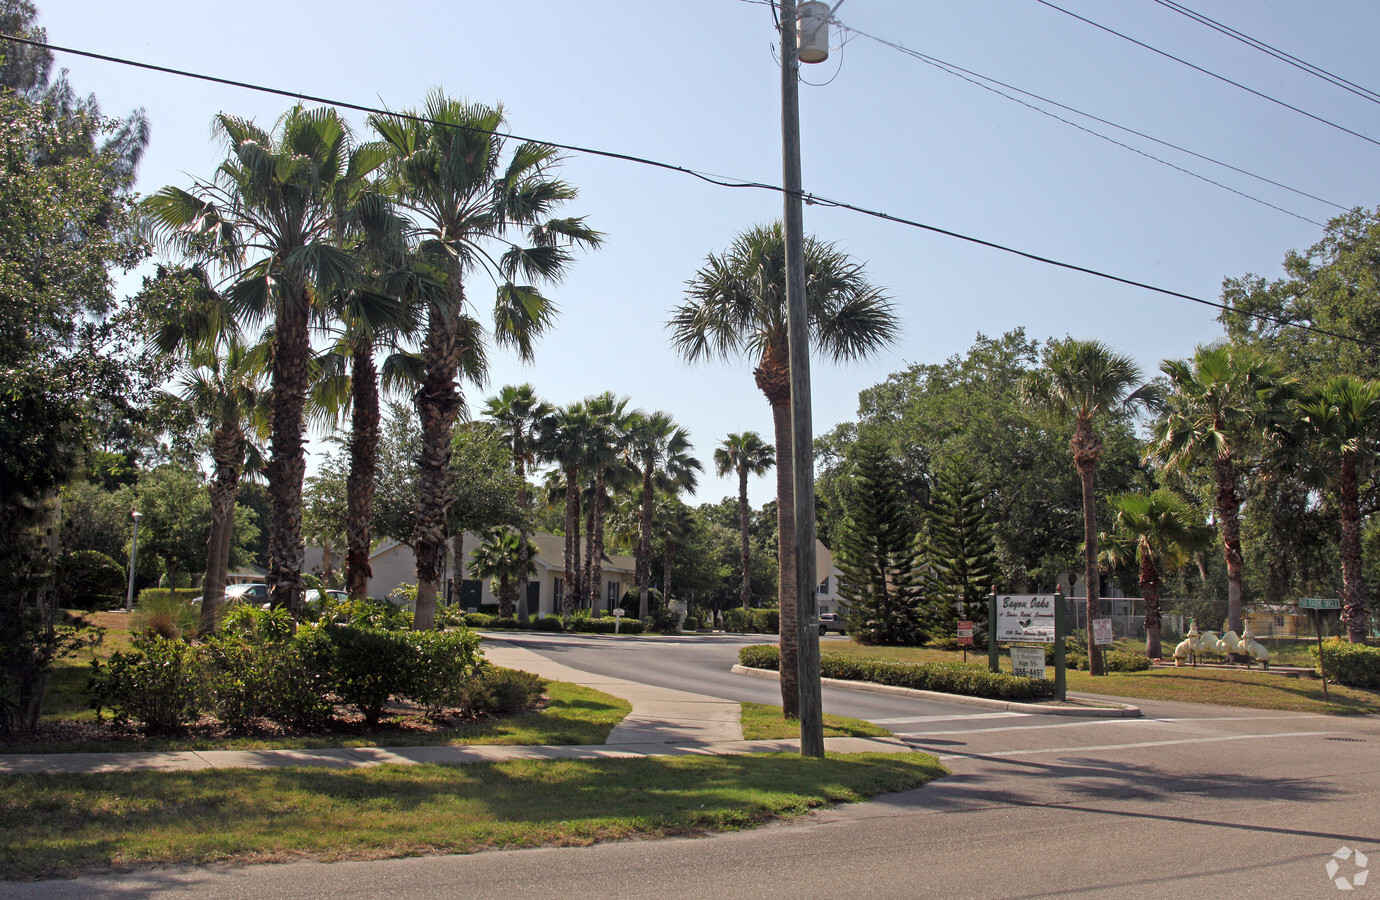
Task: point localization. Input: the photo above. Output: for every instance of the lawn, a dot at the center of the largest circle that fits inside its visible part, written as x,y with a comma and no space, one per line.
1223,687
63,825
765,723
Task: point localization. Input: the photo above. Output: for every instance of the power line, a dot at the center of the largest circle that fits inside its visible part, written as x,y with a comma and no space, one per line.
1198,68
986,83
1316,71
720,181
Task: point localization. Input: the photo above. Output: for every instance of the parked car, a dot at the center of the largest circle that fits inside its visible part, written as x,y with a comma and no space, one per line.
314,596
832,622
252,592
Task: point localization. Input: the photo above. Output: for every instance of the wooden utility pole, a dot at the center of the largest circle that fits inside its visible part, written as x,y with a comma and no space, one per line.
802,431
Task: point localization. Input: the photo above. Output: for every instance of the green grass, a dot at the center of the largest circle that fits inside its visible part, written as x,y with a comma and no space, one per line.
766,723
1223,687
63,825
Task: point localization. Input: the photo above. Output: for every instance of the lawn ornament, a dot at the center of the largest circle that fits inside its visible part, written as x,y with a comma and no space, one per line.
1253,648
1188,646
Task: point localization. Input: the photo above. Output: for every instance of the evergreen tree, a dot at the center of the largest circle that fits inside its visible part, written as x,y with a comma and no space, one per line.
878,556
964,545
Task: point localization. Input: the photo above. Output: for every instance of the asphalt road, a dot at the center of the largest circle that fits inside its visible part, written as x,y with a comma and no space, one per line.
1189,801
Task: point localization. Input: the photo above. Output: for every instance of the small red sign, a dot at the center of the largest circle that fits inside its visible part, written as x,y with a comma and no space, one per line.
965,633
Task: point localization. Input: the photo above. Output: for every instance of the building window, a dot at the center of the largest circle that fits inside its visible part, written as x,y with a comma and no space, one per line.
1279,621
613,592
824,586
559,592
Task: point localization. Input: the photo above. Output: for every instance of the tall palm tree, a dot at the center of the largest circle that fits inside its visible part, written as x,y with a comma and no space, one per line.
447,169
746,454
1223,400
565,441
520,413
1157,532
501,557
610,421
1343,421
1081,382
275,215
660,450
736,306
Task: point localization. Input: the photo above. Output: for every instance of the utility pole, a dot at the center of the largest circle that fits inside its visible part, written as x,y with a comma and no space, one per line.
802,431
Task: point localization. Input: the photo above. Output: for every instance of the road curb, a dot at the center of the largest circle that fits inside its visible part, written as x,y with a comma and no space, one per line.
1112,711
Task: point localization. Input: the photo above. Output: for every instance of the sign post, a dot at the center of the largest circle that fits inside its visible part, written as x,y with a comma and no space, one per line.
1060,630
965,637
993,651
1318,605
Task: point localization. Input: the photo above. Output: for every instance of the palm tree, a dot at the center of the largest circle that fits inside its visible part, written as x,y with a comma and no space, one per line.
565,441
1343,420
605,458
222,387
660,450
1158,532
501,557
520,414
1082,381
447,169
1223,399
674,524
747,454
275,215
736,306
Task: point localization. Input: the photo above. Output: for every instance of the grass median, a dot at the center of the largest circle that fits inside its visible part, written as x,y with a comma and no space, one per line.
64,825
1222,687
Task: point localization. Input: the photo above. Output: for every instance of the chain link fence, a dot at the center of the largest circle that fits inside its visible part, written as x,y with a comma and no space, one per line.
1178,615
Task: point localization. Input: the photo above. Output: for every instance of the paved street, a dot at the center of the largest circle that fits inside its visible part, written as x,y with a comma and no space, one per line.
1189,800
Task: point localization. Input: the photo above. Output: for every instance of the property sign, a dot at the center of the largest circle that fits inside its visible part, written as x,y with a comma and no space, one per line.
1025,618
1028,662
1102,631
1315,603
965,632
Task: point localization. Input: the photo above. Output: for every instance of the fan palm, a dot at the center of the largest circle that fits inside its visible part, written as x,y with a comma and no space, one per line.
746,454
517,410
660,450
565,441
1157,532
1081,382
447,169
1220,402
1343,421
736,306
610,421
501,557
275,215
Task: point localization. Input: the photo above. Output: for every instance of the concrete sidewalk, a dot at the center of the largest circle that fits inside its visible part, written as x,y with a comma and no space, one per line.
663,722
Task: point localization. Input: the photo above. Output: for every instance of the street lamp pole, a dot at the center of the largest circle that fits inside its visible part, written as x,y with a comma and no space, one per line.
802,431
133,561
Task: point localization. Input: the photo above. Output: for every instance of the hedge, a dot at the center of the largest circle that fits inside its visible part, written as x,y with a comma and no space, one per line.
1354,665
605,625
753,621
947,678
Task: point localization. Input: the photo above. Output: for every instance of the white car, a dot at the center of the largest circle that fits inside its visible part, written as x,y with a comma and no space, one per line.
253,592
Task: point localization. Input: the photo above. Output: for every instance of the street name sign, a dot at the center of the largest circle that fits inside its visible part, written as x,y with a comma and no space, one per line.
1316,603
1025,618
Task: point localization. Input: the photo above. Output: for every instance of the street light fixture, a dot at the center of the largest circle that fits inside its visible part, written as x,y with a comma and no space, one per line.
133,559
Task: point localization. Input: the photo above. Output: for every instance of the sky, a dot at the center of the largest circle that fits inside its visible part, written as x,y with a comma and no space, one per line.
697,86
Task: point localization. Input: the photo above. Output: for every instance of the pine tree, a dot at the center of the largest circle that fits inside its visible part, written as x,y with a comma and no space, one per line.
878,555
963,540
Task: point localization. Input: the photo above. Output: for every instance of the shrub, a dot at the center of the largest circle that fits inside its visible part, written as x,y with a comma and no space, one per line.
547,623
753,621
500,691
948,678
369,612
164,614
158,682
479,620
256,668
1354,665
489,609
237,680
690,624
509,622
662,621
90,580
1121,661
445,666
368,666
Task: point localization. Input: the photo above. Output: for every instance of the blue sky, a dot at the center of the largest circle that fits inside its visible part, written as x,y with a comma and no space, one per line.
697,85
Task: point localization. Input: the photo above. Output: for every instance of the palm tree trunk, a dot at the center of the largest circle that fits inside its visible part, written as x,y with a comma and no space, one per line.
644,546
743,532
1356,614
1150,591
227,451
1087,447
588,593
438,404
359,485
457,577
572,539
774,378
667,557
597,549
287,468
521,468
1228,512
